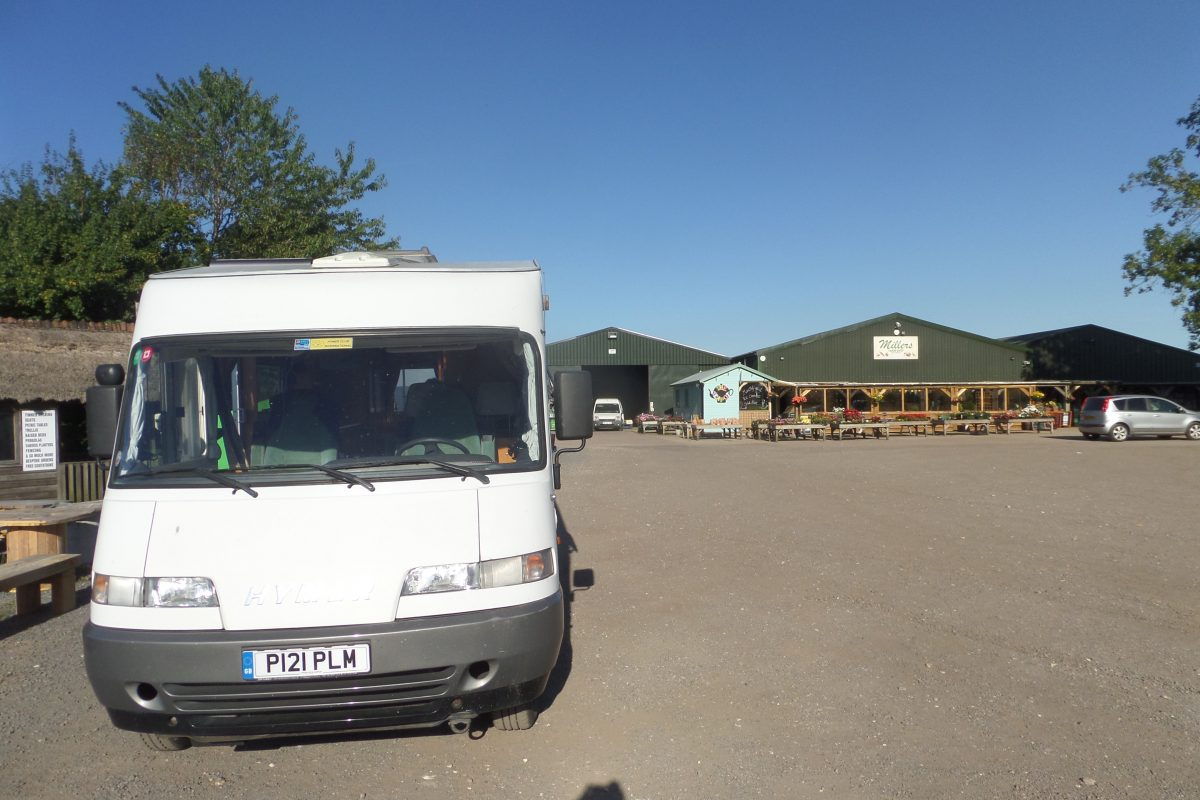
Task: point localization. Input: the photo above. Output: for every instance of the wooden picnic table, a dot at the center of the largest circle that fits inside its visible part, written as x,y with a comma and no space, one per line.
672,426
914,426
880,429
798,429
1038,424
973,425
36,529
697,430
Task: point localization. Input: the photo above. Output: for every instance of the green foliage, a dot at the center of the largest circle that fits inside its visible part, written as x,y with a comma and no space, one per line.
1170,252
218,146
77,243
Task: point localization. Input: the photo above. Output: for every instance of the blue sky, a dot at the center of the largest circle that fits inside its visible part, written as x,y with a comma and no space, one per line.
728,175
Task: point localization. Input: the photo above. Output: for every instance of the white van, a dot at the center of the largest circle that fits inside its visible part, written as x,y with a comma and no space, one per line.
608,413
330,505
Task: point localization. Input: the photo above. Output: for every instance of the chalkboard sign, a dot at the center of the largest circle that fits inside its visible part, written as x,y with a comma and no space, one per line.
754,397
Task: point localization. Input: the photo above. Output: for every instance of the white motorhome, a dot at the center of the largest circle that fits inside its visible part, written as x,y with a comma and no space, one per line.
330,505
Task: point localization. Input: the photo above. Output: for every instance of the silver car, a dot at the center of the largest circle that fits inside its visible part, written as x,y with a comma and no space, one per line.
1123,415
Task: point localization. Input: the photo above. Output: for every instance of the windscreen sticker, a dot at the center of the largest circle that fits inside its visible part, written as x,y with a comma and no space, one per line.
328,343
147,354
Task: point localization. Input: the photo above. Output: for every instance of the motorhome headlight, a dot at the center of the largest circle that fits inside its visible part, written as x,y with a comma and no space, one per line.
116,590
441,578
180,593
483,575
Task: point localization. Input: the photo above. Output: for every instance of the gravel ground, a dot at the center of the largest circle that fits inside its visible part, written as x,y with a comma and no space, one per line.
964,616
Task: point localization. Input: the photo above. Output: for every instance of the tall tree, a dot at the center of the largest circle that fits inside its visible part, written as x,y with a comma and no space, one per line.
219,146
1170,253
78,243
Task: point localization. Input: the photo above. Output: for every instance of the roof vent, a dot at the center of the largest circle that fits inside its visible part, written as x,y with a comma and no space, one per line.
376,258
352,260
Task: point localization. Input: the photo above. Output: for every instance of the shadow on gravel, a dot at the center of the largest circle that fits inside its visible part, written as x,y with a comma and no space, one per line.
571,583
1078,439
11,624
596,792
283,742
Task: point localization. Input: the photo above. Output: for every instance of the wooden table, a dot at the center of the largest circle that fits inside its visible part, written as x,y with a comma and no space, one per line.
880,429
817,429
672,426
914,426
973,425
695,431
1038,423
36,529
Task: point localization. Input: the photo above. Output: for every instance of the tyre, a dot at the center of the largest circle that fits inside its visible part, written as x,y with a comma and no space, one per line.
1119,432
165,744
520,718
1193,432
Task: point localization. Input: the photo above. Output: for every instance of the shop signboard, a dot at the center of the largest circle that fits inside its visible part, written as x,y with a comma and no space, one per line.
39,440
888,348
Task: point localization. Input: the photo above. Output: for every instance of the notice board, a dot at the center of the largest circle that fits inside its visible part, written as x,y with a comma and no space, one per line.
39,440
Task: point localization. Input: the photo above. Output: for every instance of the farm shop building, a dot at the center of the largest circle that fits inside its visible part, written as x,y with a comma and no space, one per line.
634,367
901,364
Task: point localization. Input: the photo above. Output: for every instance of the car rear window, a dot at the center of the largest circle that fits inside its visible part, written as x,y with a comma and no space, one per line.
1094,403
1132,404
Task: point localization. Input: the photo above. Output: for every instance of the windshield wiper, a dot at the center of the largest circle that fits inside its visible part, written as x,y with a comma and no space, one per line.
449,466
351,480
216,477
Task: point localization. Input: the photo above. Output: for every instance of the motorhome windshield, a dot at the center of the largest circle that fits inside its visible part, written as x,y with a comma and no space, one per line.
260,405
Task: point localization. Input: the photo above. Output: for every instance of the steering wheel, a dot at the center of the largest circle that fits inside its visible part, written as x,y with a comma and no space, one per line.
429,443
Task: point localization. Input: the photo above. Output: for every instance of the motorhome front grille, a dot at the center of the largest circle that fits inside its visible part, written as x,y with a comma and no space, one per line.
299,695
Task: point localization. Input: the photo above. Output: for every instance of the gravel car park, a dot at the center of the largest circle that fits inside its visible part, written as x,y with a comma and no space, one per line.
942,617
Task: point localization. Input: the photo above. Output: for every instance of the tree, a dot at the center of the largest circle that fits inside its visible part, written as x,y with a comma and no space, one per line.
1170,253
78,243
217,145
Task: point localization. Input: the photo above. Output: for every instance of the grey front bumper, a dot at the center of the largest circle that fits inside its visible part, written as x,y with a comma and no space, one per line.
423,671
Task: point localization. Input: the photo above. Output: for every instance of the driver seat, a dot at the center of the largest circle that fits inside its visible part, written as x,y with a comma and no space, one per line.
440,411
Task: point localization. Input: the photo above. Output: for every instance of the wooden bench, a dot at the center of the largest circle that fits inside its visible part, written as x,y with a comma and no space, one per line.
26,575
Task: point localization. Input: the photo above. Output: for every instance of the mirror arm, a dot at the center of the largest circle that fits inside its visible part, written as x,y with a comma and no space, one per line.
558,452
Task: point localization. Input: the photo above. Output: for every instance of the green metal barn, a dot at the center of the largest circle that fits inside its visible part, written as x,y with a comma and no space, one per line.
637,368
1097,360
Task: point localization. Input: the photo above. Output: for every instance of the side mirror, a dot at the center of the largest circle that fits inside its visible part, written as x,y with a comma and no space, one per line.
103,409
573,405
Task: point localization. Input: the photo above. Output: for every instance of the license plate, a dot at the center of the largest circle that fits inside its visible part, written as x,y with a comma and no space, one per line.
306,662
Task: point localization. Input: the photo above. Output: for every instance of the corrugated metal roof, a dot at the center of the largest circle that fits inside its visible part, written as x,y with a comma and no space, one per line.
631,349
875,321
1093,353
701,377
846,355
